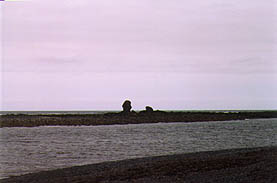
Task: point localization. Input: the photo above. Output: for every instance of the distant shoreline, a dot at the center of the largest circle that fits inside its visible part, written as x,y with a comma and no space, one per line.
257,165
89,112
112,118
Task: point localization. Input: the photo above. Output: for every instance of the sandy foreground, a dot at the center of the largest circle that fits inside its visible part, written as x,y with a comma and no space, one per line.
255,165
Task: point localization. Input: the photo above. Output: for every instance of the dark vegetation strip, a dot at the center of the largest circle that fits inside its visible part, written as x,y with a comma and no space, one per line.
25,120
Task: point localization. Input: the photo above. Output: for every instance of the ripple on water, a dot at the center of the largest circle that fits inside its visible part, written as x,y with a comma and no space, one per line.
25,150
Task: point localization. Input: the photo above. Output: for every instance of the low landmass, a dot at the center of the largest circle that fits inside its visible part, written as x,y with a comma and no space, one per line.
257,165
147,116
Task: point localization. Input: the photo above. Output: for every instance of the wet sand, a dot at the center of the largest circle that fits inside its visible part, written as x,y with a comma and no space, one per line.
130,118
257,165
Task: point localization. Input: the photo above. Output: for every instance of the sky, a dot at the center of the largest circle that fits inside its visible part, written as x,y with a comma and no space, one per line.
173,55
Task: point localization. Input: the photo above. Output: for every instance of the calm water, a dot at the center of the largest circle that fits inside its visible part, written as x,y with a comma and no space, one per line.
25,150
53,112
102,112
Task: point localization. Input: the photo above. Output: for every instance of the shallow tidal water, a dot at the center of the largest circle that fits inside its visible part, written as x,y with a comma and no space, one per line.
26,150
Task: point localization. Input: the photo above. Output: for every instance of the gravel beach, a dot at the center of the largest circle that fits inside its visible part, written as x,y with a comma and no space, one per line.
257,165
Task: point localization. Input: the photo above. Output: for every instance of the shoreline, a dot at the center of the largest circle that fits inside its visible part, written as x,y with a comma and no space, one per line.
24,120
230,165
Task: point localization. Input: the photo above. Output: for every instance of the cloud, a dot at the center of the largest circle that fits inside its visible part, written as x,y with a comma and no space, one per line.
161,42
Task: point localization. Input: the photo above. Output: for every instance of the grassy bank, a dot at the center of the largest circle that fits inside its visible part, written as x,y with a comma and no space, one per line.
130,118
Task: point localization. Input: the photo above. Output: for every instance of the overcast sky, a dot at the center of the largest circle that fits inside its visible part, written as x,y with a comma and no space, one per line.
177,54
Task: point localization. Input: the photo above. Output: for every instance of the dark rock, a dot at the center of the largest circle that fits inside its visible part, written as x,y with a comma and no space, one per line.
149,109
126,106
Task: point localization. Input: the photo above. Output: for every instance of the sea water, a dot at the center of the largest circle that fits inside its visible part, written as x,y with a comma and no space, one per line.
52,112
25,150
116,111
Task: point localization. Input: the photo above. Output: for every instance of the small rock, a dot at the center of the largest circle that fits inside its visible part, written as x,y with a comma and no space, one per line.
149,109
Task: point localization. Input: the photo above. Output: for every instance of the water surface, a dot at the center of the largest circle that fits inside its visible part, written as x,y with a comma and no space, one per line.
25,150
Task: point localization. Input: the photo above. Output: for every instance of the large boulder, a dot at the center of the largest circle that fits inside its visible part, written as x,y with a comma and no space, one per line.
126,106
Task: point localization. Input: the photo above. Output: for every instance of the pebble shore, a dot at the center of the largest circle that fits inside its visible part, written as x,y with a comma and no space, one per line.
257,165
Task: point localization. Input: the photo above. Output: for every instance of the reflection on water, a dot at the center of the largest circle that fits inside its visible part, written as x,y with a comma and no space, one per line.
25,150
